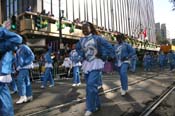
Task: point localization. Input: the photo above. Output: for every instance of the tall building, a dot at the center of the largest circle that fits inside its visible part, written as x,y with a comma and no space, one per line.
163,31
157,28
125,16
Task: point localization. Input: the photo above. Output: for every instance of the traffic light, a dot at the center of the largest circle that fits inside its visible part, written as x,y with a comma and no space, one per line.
13,22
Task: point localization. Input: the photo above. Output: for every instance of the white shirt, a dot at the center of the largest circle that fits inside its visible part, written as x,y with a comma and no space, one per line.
67,62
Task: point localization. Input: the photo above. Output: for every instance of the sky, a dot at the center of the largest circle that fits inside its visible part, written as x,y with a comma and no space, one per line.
163,13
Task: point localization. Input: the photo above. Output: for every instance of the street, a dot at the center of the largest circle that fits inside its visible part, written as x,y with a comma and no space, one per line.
65,100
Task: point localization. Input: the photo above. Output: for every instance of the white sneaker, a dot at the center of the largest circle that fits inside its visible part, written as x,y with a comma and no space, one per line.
88,113
99,87
123,92
22,99
30,98
78,84
42,87
51,86
74,85
13,92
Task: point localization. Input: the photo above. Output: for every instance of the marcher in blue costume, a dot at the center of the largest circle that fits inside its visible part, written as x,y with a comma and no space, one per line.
147,61
75,65
13,84
92,48
161,60
123,52
171,60
8,43
48,69
24,62
133,59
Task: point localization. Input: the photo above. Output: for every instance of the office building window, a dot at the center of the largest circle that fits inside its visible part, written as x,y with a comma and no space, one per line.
15,7
55,8
7,9
47,5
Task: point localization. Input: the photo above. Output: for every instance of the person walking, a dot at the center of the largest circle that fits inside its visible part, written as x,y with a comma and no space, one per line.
123,53
13,85
24,62
147,61
75,65
171,60
8,44
161,60
48,69
91,49
133,62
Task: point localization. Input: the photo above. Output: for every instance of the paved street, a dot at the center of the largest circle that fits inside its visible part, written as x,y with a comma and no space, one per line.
113,104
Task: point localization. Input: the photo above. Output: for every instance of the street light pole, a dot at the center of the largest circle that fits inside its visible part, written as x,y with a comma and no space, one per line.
128,19
60,24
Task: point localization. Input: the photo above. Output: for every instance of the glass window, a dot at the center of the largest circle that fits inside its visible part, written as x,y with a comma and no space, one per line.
76,9
15,7
47,5
82,14
7,9
55,8
70,12
11,8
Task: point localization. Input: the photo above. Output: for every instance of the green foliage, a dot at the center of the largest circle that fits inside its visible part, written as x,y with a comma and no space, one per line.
113,38
72,28
44,24
58,25
40,22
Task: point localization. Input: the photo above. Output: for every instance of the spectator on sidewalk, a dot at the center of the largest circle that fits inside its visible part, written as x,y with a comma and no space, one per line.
67,64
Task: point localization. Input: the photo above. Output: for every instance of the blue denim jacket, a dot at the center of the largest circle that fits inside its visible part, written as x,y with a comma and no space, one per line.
93,46
8,43
171,58
24,56
47,56
123,52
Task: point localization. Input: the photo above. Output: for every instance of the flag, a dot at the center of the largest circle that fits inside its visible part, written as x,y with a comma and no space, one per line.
144,33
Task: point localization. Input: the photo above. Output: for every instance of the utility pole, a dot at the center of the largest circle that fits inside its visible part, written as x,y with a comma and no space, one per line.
60,24
129,34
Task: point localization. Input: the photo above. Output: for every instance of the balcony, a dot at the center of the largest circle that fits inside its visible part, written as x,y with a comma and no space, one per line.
27,26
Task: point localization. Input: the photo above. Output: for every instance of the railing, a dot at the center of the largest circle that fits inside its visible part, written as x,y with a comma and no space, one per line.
27,25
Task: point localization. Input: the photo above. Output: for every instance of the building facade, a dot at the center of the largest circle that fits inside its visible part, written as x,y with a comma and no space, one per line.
163,31
126,16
